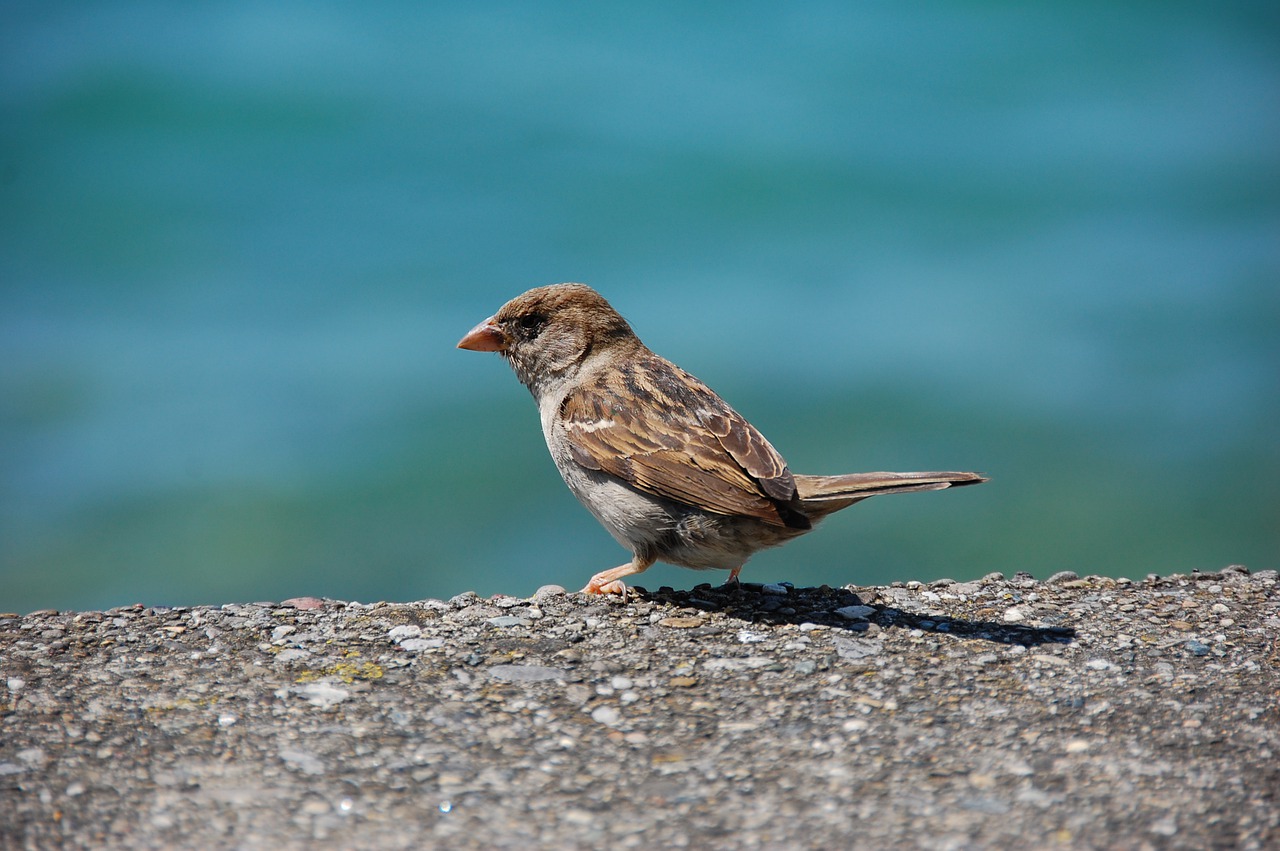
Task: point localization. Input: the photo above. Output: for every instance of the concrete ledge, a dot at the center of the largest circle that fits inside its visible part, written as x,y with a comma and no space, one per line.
1073,713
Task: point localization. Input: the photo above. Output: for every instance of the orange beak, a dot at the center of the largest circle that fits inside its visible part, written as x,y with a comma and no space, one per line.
485,337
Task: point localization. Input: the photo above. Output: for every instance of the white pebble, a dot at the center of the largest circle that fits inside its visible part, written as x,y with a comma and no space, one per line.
606,715
400,633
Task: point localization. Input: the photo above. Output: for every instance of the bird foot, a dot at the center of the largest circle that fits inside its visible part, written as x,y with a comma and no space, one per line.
610,581
596,587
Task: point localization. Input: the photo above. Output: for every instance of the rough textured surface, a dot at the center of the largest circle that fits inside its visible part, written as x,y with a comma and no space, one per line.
1074,713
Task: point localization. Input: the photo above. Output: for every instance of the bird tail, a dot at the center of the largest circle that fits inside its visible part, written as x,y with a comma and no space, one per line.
852,487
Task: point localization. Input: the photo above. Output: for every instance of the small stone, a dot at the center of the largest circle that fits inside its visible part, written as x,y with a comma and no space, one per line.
856,648
291,655
300,760
304,603
1013,615
322,695
76,789
774,589
32,756
282,630
1197,648
746,636
400,633
606,715
739,663
506,621
1098,665
549,591
682,682
525,673
466,598
681,623
854,613
417,645
1062,576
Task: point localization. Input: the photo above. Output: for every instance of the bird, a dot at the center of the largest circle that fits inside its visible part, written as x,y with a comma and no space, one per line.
662,462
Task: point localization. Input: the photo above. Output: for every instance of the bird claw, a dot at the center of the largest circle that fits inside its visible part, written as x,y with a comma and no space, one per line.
595,587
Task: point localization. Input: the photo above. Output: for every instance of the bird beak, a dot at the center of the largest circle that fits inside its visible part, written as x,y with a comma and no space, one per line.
485,337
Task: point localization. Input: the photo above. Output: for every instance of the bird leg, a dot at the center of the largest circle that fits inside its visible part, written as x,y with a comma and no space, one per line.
610,581
732,581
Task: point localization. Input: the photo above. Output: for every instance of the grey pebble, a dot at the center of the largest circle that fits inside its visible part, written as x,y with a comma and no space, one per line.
1198,648
304,761
417,645
505,621
291,655
525,673
856,648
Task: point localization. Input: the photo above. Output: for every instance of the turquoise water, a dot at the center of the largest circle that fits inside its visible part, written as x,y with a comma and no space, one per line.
238,243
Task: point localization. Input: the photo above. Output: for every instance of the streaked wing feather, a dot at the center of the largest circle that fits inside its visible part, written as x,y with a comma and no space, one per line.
665,433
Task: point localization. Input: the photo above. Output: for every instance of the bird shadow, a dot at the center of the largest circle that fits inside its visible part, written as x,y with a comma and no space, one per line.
843,609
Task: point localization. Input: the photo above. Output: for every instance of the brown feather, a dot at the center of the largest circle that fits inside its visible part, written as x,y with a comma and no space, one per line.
681,442
861,485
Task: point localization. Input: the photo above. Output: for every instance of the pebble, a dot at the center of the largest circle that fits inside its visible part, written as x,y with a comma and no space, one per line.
304,761
606,715
417,645
525,673
857,648
291,654
506,621
304,603
400,633
1197,648
774,589
319,694
855,612
740,663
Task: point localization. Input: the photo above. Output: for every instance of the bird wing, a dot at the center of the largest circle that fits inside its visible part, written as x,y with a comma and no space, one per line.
664,432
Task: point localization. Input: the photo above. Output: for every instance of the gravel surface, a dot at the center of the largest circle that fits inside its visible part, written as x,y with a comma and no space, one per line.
1067,713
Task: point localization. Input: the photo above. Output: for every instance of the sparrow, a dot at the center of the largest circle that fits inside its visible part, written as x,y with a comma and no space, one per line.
665,465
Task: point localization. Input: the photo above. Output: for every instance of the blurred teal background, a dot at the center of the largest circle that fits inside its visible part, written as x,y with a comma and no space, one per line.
238,242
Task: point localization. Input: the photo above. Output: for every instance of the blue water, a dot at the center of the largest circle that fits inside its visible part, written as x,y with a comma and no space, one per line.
238,243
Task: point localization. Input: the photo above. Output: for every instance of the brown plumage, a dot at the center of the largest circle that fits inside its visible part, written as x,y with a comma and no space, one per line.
671,470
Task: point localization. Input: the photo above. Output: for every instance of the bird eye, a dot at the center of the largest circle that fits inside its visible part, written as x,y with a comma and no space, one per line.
531,323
